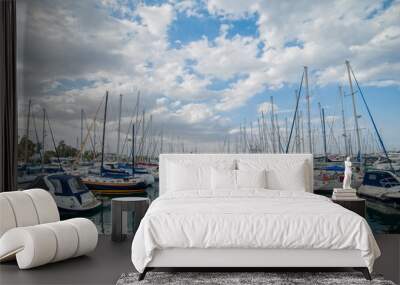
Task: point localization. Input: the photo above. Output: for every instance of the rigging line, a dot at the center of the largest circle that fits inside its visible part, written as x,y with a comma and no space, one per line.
372,120
77,157
135,110
37,137
295,113
129,127
88,130
52,138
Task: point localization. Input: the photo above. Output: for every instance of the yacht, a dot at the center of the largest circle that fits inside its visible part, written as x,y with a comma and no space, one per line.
382,185
391,163
70,194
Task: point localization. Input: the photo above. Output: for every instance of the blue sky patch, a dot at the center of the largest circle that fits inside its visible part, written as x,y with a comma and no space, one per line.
244,27
188,29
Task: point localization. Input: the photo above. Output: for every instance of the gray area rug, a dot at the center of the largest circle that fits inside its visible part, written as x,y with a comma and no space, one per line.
228,278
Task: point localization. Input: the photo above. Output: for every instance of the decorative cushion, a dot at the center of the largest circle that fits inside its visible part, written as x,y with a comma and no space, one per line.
187,174
188,177
251,178
281,174
223,179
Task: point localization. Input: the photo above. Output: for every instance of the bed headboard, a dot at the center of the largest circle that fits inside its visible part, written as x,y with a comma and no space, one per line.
210,158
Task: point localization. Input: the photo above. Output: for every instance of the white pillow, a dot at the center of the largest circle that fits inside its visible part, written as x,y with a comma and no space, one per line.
223,179
183,177
282,174
251,178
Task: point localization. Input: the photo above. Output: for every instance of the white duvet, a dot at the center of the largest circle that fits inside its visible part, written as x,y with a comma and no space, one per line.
250,219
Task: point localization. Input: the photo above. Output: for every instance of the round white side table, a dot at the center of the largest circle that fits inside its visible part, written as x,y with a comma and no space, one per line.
119,218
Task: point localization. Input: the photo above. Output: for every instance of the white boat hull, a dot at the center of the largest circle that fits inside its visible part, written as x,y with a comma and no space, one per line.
387,195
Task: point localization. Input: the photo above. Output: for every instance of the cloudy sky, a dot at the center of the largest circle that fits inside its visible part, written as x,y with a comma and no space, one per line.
205,67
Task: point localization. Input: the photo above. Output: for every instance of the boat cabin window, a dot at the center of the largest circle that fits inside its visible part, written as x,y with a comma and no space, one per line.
76,185
389,181
381,179
57,185
39,183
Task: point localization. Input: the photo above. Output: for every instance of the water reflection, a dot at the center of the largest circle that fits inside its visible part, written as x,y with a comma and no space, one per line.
381,218
102,218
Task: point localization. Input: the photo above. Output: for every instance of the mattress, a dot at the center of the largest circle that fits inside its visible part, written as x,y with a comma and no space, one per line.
250,219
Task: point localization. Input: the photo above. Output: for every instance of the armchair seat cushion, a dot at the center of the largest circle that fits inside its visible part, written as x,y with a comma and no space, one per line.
40,244
31,231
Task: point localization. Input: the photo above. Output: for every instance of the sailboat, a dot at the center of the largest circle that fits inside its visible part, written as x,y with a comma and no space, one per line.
103,184
113,186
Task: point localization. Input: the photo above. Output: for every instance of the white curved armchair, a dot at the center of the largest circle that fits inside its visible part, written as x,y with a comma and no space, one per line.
31,230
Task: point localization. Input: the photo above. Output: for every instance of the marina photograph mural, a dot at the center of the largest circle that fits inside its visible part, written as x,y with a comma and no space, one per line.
104,87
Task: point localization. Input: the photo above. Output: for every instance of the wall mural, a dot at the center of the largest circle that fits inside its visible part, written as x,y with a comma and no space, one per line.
106,86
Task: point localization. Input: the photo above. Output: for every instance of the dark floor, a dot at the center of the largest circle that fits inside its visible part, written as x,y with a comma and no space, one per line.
110,260
103,266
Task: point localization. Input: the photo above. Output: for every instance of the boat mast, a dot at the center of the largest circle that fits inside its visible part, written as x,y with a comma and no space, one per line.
119,125
259,141
264,129
142,141
310,149
81,145
280,148
37,138
302,132
343,120
354,110
104,134
53,139
94,139
27,131
161,141
295,114
322,114
43,137
297,133
133,150
273,126
137,122
149,137
286,130
370,116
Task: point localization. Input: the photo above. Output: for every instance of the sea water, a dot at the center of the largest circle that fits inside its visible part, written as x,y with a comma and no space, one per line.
382,218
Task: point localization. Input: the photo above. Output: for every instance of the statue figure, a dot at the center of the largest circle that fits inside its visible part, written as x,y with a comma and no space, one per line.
347,174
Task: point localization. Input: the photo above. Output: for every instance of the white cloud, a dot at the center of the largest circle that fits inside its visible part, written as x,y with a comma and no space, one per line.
156,18
195,113
189,7
224,58
266,107
231,9
239,92
117,48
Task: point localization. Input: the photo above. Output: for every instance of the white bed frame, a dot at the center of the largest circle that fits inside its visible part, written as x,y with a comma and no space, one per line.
251,258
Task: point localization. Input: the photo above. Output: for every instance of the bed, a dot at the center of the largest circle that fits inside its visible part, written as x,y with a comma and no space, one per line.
246,211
